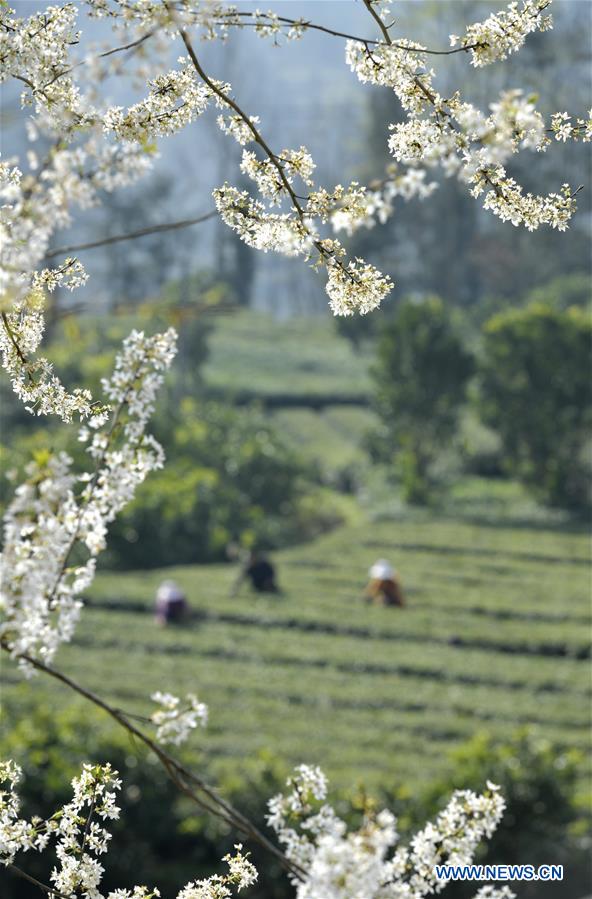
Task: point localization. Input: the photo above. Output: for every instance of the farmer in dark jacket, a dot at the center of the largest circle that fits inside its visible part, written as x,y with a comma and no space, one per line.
260,572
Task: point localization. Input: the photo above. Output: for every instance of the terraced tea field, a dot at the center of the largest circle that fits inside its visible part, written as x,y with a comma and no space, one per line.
496,635
301,357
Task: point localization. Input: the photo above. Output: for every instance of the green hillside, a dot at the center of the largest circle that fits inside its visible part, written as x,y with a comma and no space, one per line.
495,636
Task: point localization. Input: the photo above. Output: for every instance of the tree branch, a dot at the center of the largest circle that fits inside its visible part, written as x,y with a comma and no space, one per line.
185,780
379,22
328,256
13,339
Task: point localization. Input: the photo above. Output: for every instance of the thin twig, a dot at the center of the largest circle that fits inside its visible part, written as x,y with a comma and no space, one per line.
37,883
13,339
143,232
83,62
380,23
306,24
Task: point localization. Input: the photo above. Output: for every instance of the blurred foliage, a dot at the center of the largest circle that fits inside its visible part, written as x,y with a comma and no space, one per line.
161,838
536,392
229,478
564,292
421,375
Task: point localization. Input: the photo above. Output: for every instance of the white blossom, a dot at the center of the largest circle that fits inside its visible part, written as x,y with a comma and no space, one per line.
564,129
39,587
356,287
368,862
401,66
33,379
175,99
242,873
236,126
282,233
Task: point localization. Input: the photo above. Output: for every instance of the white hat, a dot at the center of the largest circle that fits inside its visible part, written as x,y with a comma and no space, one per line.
169,590
382,570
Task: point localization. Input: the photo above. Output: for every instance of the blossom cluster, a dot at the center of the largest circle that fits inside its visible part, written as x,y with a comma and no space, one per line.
504,32
80,836
259,228
36,51
214,20
175,722
326,859
33,379
56,510
242,873
356,287
401,66
352,286
269,176
342,864
456,136
237,127
77,828
564,129
349,209
174,100
79,165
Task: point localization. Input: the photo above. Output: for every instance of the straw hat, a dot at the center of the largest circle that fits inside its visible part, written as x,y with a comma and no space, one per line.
382,570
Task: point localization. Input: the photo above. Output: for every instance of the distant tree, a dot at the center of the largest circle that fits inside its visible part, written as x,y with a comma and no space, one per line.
536,392
137,270
421,376
570,290
245,488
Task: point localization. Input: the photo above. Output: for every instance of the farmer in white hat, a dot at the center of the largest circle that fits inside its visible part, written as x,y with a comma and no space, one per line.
384,588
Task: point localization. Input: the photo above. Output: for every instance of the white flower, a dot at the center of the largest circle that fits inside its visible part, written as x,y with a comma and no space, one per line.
79,837
175,722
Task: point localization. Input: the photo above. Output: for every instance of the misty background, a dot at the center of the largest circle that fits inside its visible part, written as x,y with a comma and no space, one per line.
304,93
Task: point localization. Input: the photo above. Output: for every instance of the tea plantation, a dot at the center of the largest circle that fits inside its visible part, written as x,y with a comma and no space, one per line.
495,636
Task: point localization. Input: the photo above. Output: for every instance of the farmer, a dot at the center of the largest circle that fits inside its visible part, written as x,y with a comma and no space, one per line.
384,588
260,572
171,604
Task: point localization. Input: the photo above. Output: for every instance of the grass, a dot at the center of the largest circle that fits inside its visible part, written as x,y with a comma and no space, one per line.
495,636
